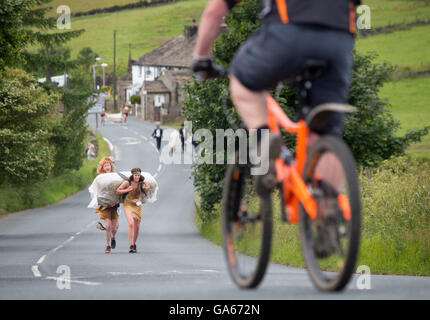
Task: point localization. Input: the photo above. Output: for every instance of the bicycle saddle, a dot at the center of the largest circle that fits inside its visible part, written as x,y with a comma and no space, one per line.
310,70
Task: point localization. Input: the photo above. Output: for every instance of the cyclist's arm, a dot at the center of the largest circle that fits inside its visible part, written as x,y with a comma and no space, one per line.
209,27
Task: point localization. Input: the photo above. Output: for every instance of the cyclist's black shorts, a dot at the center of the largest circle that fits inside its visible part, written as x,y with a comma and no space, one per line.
276,50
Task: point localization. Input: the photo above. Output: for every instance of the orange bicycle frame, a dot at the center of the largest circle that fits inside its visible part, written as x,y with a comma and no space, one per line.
294,188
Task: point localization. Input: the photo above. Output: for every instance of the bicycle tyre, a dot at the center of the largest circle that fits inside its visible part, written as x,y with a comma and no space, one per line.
319,277
234,185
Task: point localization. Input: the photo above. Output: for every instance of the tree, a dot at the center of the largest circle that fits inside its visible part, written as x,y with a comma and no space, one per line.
86,58
49,61
39,28
135,99
69,131
26,120
51,57
12,34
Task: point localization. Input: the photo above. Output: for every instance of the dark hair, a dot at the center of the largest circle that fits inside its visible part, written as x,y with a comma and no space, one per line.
141,179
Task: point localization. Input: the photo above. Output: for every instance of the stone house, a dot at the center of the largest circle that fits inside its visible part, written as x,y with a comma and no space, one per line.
159,77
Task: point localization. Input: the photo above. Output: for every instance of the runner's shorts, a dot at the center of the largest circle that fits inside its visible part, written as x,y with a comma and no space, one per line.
277,50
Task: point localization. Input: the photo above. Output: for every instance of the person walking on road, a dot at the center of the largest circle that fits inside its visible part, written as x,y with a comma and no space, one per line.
125,113
183,135
132,189
103,116
173,141
108,214
158,135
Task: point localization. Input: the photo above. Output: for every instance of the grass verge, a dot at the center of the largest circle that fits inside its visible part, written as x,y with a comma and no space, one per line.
395,227
53,189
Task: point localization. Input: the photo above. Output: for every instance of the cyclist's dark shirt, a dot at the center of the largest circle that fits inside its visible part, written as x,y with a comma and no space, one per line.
338,14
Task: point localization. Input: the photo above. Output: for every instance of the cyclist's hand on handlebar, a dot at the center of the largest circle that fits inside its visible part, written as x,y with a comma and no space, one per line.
204,68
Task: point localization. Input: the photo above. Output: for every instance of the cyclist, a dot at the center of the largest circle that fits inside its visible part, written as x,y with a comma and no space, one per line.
291,32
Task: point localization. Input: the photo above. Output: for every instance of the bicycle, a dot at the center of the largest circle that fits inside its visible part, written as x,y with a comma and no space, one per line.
328,212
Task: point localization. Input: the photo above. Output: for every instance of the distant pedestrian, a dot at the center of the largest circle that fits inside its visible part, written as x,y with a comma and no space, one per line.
125,112
173,141
90,151
183,135
103,116
158,135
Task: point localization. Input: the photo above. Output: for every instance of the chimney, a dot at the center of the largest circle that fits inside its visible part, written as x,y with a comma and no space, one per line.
190,31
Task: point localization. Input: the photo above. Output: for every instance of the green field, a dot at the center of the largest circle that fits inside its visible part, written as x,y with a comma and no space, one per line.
408,49
385,12
410,100
147,28
144,28
85,5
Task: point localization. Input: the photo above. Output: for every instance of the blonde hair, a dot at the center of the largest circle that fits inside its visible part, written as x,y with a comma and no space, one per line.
102,163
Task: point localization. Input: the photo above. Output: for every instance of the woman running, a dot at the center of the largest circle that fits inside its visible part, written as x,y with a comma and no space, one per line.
133,189
108,214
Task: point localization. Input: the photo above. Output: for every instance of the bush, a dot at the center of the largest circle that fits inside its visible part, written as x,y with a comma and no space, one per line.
26,120
135,99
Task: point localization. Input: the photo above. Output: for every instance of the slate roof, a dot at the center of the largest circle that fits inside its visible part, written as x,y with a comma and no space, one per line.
175,52
155,86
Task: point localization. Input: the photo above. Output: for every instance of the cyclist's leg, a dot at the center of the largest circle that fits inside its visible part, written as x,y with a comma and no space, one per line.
335,47
251,105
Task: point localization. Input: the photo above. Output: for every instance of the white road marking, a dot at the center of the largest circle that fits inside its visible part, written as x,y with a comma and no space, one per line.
117,154
42,258
36,271
88,283
109,144
35,268
130,140
113,150
159,167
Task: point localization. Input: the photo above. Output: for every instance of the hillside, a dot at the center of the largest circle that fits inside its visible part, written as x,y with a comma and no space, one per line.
144,28
85,5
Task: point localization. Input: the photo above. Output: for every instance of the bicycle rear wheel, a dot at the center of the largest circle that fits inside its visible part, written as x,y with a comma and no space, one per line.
246,226
330,242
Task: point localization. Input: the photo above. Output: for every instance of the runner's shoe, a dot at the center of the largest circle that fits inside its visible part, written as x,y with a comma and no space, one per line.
108,249
131,249
113,243
100,226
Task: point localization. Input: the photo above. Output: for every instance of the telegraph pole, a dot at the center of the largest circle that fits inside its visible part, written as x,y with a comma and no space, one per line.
114,71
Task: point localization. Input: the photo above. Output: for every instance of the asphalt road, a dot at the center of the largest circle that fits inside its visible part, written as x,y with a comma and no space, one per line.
40,247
